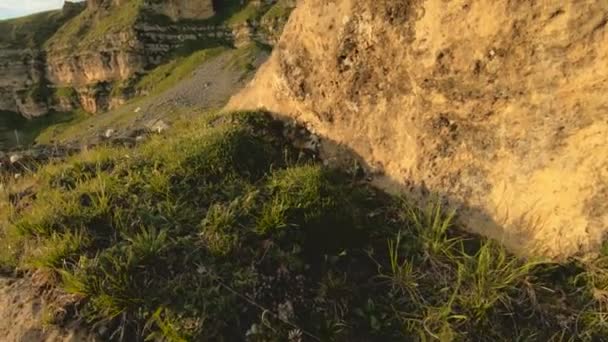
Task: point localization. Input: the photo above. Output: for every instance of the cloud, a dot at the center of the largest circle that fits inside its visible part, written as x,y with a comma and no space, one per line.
13,8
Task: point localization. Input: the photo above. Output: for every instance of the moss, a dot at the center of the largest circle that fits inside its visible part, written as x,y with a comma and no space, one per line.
65,92
244,57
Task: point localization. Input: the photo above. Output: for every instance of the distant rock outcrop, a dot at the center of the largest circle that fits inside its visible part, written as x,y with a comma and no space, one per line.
98,47
499,106
88,56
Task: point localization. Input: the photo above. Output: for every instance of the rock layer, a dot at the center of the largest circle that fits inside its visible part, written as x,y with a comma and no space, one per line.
95,53
498,106
91,60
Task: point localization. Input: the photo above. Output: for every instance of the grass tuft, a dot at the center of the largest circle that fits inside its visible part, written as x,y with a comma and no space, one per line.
222,230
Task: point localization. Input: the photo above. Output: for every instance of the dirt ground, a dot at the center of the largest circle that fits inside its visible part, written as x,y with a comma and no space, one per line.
23,312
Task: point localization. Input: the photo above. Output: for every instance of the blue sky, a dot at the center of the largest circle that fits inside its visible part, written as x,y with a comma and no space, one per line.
18,8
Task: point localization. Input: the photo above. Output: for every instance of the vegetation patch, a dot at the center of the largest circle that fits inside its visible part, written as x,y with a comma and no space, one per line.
280,11
91,26
15,130
33,30
222,230
167,75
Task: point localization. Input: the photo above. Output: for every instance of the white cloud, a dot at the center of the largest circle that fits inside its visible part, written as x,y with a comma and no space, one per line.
12,8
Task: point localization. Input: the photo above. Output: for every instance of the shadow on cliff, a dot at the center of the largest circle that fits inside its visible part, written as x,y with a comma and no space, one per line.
336,154
15,130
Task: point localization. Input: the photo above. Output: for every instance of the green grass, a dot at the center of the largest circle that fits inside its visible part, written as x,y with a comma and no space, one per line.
65,92
279,11
248,12
244,57
93,26
220,229
28,131
158,80
31,31
167,75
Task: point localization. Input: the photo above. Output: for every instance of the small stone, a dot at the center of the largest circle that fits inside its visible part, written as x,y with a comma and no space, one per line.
160,126
15,158
108,133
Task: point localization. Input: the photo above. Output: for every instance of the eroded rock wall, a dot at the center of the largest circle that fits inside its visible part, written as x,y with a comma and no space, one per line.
22,72
31,76
498,106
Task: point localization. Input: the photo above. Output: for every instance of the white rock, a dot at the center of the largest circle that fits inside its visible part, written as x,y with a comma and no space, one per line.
15,158
109,133
160,126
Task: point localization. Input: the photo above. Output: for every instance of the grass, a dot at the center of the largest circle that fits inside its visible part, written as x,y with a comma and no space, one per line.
92,26
31,31
65,92
249,12
158,80
167,75
244,57
280,12
221,230
28,131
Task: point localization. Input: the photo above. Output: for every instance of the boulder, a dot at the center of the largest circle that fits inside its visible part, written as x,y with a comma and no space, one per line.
498,106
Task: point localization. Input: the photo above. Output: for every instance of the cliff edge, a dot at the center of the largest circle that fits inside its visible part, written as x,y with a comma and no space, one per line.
497,106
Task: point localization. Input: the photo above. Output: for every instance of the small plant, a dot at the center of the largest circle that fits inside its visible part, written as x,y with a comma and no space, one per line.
431,224
490,276
219,228
273,217
403,276
59,249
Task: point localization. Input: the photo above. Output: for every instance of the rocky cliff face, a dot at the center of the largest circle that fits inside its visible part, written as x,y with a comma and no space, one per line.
22,71
105,44
23,86
90,60
498,106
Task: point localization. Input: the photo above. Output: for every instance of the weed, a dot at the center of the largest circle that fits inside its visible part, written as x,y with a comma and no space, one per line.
59,249
215,231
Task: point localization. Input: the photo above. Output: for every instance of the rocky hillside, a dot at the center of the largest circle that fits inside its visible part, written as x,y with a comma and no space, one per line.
238,226
90,55
497,106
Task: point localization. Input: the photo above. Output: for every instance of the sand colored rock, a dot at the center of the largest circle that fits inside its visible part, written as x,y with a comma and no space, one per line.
22,308
499,106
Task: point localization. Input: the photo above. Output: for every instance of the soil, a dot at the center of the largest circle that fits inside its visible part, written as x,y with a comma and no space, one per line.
23,308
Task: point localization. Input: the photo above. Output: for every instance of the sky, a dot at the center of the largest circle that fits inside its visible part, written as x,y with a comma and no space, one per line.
18,8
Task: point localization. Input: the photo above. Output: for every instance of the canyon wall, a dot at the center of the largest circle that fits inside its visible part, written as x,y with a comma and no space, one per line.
498,106
89,57
101,46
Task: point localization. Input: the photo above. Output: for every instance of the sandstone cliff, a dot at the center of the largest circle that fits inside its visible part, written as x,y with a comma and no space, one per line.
89,57
498,106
